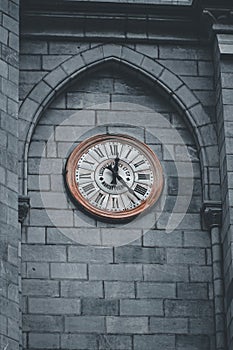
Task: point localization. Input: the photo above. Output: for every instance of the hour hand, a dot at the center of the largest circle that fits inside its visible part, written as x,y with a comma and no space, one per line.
114,175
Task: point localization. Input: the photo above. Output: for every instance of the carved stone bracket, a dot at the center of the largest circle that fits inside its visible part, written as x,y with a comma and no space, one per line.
211,214
24,205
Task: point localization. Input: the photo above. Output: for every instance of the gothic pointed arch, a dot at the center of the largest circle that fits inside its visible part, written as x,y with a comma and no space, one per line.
176,90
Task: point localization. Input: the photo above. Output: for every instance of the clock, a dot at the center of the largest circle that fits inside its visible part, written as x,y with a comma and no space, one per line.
114,177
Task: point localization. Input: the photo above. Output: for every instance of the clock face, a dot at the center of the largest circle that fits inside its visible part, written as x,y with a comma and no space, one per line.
114,176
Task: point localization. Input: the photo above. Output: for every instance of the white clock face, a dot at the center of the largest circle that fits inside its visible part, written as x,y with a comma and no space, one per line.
115,175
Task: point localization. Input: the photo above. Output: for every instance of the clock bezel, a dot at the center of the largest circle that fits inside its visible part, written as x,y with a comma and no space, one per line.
71,183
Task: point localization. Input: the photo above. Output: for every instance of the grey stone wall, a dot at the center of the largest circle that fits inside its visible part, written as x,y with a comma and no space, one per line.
224,101
156,291
9,233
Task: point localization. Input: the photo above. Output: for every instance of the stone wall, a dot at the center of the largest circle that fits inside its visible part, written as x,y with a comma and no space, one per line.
9,232
80,292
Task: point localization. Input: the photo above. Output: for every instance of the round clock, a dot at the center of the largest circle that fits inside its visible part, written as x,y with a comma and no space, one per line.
114,177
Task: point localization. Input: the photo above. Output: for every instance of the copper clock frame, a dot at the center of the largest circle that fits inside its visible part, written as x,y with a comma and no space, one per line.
80,149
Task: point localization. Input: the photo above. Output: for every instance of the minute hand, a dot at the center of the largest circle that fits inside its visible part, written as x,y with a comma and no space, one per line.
127,186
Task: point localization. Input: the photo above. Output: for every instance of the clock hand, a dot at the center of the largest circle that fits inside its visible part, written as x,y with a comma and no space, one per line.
127,186
115,171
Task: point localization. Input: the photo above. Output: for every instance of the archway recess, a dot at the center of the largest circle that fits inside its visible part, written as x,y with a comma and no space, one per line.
172,86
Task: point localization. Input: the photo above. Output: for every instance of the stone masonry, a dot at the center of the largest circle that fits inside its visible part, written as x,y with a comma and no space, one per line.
156,70
9,232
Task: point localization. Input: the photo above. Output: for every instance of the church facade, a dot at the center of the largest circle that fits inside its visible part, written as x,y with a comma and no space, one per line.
154,78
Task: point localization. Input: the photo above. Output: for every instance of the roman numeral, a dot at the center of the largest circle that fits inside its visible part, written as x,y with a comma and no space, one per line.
100,198
140,189
89,188
115,203
88,162
114,149
143,176
128,153
139,163
85,176
99,152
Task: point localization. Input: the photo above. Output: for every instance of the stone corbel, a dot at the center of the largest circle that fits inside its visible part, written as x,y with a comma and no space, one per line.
211,215
23,205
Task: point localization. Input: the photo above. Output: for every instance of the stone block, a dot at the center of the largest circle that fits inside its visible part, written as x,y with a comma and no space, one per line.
3,36
90,56
90,254
53,200
68,271
159,238
37,270
119,342
166,325
50,62
187,68
184,52
199,83
38,182
227,96
36,235
126,272
205,68
54,306
153,68
154,342
201,274
44,166
40,287
124,325
51,217
188,308
84,324
192,256
186,96
79,341
34,47
121,290
165,273
68,117
3,324
192,342
70,133
43,340
30,62
192,290
149,307
14,41
78,100
43,253
37,149
43,133
196,239
201,325
72,289
72,65
100,307
152,290
3,66
11,24
139,255
55,77
171,80
42,323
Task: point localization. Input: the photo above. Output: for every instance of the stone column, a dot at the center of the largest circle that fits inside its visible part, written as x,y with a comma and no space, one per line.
9,229
212,217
